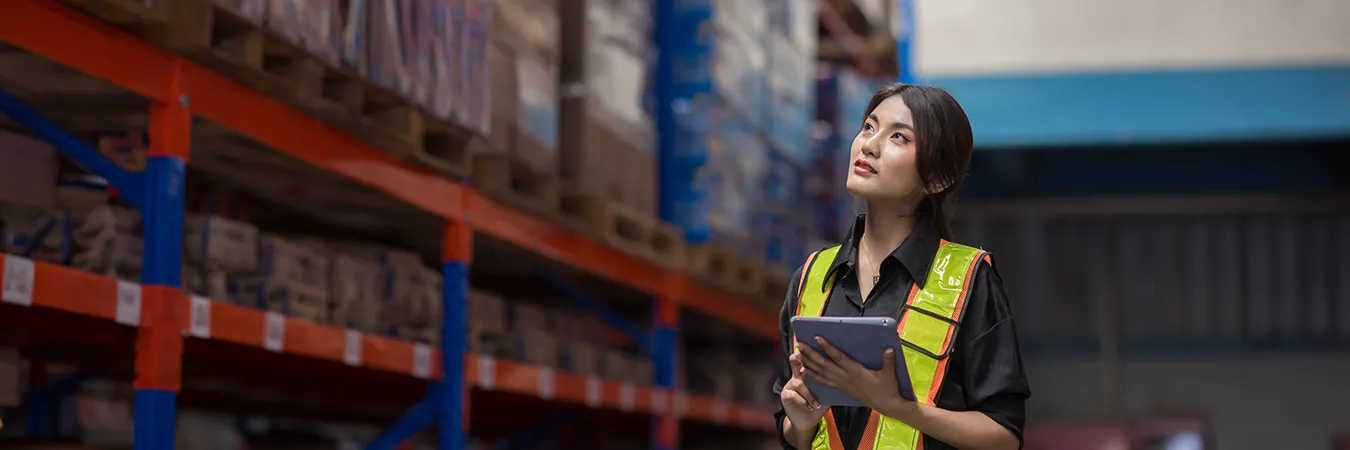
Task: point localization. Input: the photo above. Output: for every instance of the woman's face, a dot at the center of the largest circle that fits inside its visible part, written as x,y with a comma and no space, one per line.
882,161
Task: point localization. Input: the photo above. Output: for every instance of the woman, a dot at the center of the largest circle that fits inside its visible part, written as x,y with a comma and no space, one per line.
910,154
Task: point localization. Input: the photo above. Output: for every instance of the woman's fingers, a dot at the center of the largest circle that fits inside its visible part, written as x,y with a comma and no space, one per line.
833,353
823,377
795,364
813,359
801,399
799,387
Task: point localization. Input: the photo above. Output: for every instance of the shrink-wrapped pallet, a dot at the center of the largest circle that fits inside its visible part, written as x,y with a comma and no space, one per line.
534,26
607,137
398,48
355,35
476,113
315,25
386,64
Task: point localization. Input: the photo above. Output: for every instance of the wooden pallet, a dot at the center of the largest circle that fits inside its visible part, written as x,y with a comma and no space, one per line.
269,63
501,177
724,267
773,288
641,235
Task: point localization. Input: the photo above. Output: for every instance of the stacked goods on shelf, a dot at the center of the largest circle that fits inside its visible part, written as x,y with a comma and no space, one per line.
607,157
609,140
554,337
292,279
585,345
842,97
714,154
218,250
519,163
407,293
725,376
411,78
791,45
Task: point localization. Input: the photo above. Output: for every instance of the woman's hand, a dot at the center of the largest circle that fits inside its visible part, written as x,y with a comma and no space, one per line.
878,389
801,407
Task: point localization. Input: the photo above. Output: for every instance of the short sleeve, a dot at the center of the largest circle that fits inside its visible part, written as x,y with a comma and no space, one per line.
782,374
993,380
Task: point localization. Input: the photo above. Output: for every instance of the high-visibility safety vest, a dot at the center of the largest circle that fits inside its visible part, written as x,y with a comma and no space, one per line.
928,323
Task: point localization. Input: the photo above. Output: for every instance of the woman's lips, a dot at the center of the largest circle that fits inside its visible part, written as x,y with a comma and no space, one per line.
862,167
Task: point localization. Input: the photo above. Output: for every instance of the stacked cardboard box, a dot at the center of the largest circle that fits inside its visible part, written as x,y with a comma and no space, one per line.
583,343
487,324
355,287
530,34
608,138
218,250
108,242
292,279
532,340
790,43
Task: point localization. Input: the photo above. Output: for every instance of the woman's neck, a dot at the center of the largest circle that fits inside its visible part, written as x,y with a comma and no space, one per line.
884,229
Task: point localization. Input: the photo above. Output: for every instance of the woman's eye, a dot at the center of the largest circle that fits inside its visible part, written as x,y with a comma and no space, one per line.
867,127
899,137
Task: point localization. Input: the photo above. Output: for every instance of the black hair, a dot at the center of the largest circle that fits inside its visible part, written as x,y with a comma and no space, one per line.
945,144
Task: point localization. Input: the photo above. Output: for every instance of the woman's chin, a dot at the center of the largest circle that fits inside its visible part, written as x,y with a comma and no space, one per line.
860,188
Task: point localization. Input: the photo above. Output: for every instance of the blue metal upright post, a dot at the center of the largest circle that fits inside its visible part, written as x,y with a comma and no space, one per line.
904,40
158,193
159,340
457,252
665,348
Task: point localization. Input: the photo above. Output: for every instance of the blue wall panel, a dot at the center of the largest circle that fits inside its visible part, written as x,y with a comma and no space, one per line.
1155,107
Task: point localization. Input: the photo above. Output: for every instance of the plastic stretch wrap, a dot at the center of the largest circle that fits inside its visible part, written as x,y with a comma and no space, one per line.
618,51
534,23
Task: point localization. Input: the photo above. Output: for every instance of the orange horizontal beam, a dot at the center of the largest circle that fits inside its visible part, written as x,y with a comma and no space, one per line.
103,51
60,288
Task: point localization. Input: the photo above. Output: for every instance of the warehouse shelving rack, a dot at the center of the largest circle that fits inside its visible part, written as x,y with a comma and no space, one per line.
162,314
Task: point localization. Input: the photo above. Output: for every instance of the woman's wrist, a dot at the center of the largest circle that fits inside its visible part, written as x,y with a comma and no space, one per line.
798,436
900,409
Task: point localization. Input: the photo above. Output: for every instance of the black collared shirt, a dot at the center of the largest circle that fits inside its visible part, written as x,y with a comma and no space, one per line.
985,372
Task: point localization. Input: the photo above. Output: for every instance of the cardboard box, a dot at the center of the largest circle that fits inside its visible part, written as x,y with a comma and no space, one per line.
356,290
487,312
288,297
581,358
284,260
616,365
528,316
227,245
28,170
536,346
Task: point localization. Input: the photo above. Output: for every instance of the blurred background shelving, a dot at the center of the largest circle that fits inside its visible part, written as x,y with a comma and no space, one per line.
277,224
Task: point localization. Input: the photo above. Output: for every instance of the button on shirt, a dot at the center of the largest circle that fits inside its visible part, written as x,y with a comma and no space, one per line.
985,371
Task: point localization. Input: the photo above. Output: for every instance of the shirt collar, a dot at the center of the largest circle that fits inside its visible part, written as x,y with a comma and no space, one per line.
915,254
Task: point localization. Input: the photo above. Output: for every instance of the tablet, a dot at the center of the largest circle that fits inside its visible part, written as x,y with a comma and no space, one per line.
865,339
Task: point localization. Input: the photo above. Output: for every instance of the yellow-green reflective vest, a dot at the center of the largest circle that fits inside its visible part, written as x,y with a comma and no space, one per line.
927,327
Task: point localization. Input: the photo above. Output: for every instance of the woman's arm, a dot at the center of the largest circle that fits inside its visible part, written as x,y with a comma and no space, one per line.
789,434
992,380
966,430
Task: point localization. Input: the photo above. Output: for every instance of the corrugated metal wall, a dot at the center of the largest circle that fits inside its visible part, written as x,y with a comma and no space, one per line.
1176,278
